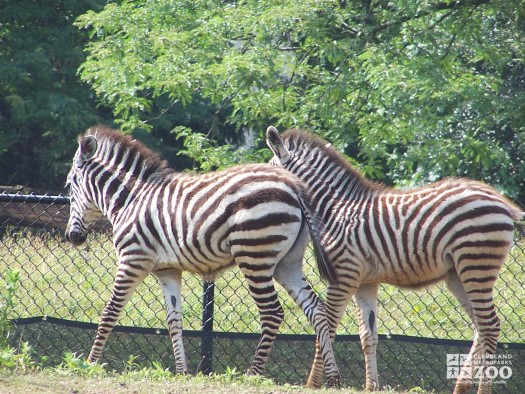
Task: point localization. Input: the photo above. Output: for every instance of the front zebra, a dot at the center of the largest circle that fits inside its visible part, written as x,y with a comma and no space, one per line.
458,231
164,222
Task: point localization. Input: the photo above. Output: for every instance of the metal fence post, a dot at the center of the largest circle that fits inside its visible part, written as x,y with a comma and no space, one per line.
206,365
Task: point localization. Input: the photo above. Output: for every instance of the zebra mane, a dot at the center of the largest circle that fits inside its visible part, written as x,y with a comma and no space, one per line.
118,143
308,147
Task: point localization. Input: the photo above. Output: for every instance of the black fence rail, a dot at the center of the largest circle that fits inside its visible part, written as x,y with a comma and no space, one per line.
63,290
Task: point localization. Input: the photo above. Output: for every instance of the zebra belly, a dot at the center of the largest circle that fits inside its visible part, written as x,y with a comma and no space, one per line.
212,271
188,257
415,273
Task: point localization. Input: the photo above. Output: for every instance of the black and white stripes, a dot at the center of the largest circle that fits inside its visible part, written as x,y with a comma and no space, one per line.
457,230
164,222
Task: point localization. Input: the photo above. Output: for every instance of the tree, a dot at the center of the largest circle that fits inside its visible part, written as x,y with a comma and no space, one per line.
43,106
412,90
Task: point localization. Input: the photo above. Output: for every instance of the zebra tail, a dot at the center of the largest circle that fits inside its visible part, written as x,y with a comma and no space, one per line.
516,213
326,270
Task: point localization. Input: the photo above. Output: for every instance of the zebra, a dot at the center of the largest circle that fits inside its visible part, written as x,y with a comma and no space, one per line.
458,231
255,216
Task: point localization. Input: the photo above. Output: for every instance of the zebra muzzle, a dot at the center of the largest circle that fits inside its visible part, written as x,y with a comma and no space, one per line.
76,237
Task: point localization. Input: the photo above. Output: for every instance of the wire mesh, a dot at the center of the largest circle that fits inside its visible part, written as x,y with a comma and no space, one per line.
63,291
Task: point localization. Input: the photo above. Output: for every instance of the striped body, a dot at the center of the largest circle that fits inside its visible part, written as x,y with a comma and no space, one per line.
458,231
198,223
413,238
164,222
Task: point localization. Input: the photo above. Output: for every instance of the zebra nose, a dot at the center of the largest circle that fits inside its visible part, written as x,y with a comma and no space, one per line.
76,237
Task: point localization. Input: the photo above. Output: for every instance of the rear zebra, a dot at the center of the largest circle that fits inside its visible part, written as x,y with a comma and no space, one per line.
164,222
457,230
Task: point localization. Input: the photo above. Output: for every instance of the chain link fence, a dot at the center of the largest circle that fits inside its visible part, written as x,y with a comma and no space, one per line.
63,291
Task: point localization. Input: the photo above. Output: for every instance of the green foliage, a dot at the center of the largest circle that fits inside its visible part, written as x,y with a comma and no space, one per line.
417,390
8,303
80,366
43,106
19,360
414,90
155,372
229,376
11,358
210,156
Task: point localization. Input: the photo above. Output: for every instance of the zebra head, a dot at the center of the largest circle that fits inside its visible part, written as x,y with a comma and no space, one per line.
276,144
83,212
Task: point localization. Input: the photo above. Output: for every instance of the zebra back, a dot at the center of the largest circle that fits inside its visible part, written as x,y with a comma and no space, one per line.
329,175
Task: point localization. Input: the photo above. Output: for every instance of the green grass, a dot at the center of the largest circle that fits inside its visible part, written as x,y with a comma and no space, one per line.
74,374
61,281
54,381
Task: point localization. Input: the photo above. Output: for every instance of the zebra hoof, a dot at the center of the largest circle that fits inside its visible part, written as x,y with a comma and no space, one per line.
461,388
313,384
334,381
372,386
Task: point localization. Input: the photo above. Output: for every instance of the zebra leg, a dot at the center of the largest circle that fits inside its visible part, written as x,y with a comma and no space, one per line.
271,313
129,276
455,286
488,332
337,299
366,302
476,298
289,274
171,283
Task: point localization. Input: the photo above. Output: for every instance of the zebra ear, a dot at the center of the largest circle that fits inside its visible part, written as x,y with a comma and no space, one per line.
276,144
87,147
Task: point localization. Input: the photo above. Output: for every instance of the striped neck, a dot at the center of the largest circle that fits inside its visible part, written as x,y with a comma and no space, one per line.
326,171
